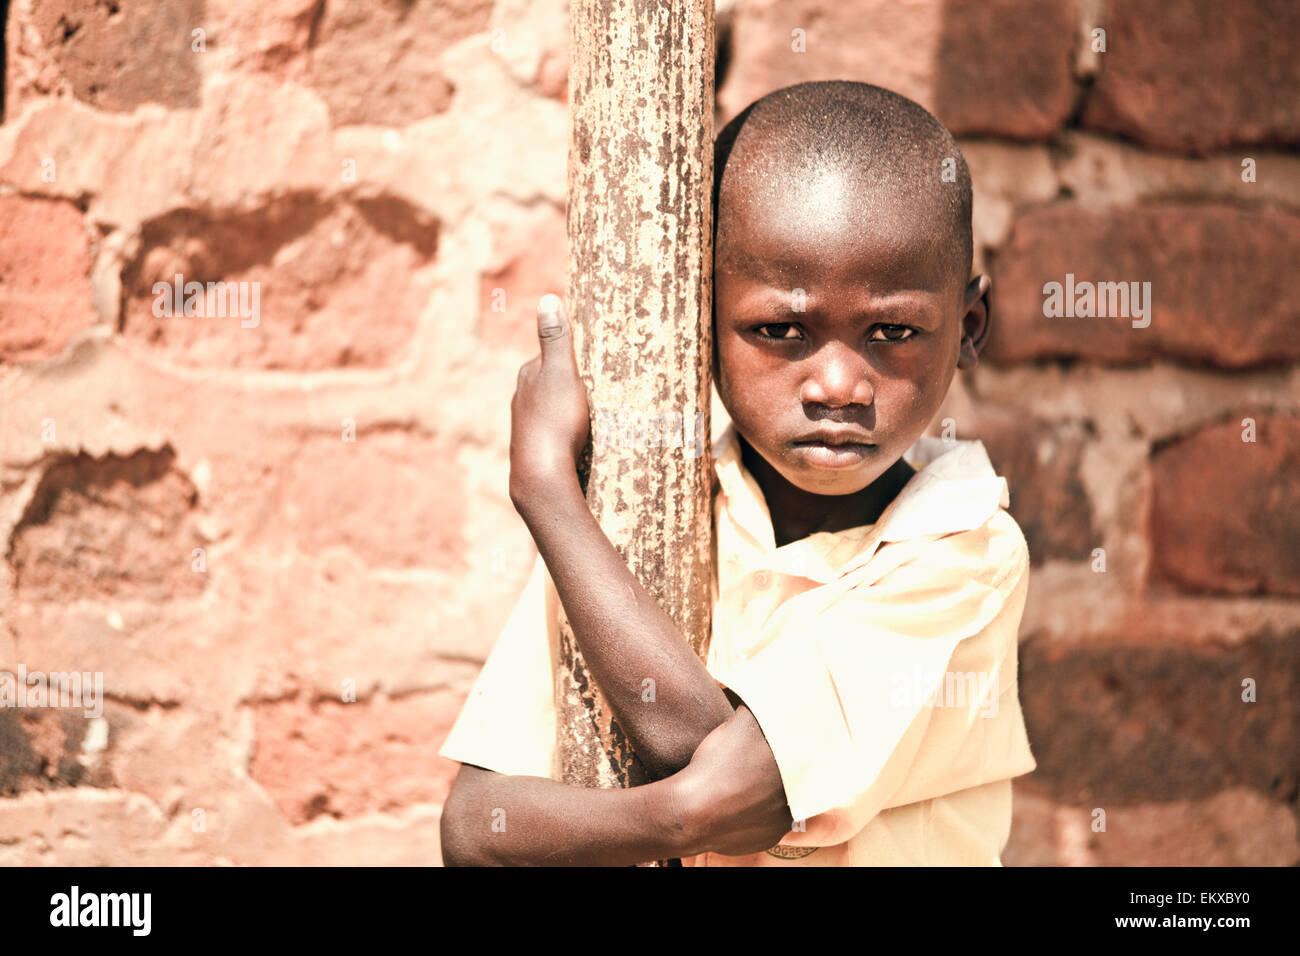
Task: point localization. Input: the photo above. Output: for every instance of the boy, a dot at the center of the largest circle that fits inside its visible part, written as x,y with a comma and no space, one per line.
859,703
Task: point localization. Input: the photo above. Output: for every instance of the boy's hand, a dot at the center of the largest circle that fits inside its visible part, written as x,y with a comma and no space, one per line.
732,790
549,418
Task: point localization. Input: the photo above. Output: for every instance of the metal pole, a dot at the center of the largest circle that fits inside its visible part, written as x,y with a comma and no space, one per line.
640,295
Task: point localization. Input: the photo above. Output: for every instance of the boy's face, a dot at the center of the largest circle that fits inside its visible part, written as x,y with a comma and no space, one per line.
833,395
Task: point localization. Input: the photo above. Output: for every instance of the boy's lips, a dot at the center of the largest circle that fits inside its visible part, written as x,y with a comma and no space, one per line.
833,447
835,435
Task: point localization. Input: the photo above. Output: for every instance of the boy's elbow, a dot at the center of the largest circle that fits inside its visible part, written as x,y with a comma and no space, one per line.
674,751
669,760
455,852
458,848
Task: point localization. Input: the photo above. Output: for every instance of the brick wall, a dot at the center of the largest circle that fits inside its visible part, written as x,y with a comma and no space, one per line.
245,520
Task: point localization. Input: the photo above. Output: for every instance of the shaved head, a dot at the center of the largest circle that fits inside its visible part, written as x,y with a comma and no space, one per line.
839,161
843,300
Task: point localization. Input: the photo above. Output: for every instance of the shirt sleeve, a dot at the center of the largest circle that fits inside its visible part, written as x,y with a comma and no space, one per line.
898,690
508,721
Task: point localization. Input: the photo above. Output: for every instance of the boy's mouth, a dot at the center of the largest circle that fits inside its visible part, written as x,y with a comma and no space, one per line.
833,447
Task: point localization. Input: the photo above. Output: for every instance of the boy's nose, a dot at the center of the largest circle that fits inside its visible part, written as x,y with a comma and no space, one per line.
837,377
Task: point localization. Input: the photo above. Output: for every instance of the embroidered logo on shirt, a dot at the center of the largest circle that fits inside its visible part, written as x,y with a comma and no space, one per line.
783,852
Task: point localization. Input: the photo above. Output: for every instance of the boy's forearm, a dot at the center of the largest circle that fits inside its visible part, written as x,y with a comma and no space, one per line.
492,819
624,636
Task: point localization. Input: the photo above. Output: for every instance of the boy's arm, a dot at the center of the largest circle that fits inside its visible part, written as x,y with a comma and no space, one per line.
729,800
494,819
624,636
731,794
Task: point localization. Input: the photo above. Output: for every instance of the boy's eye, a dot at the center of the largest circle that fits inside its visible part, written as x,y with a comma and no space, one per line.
779,330
789,332
892,333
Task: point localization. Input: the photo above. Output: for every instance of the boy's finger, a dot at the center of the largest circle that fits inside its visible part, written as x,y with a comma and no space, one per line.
553,328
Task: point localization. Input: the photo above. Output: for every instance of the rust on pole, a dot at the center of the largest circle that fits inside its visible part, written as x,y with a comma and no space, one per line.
640,170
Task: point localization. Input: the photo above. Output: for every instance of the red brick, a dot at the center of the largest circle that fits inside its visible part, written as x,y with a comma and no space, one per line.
392,498
116,55
1237,827
379,63
268,35
1004,67
531,259
552,78
346,759
961,59
132,521
1040,461
45,292
1196,75
1225,513
1211,267
878,41
40,747
338,285
1128,723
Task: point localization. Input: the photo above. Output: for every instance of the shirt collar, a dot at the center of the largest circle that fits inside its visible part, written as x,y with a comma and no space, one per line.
954,489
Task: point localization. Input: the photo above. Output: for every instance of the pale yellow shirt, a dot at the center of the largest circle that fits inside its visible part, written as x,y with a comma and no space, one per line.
880,663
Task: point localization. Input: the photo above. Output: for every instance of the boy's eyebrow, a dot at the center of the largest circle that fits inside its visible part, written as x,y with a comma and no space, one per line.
778,300
783,276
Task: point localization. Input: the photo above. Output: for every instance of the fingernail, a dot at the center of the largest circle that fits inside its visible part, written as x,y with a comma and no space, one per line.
549,303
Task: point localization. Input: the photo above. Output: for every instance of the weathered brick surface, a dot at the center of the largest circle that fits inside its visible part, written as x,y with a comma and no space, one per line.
959,59
345,759
887,42
271,36
133,523
1225,512
1195,76
1236,827
379,62
530,259
1040,461
408,838
553,75
1205,266
1126,723
45,293
393,498
115,56
319,285
1003,67
83,827
43,749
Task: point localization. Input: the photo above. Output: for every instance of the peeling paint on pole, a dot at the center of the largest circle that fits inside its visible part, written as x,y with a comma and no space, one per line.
640,286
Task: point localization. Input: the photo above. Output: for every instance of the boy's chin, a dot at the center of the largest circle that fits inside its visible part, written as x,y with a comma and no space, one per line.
830,481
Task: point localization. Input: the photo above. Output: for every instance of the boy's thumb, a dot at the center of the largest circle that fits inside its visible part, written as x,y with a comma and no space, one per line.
552,326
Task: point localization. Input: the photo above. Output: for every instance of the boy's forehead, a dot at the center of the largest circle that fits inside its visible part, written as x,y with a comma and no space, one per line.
827,226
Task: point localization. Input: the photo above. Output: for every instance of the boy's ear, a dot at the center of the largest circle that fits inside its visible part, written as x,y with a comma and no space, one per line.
975,322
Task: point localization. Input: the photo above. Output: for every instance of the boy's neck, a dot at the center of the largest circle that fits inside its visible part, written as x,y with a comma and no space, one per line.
797,513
